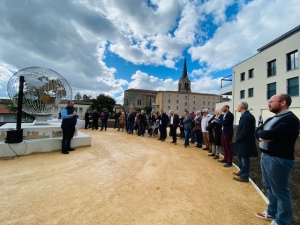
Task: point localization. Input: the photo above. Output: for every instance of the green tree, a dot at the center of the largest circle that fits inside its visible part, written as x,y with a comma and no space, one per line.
78,96
148,109
104,101
14,109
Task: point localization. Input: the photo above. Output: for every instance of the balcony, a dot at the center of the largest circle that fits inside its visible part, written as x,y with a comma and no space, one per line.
226,85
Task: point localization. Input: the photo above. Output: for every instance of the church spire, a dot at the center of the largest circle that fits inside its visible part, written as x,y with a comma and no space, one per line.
184,70
184,84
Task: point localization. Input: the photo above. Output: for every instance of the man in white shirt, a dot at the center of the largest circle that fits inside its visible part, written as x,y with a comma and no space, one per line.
204,123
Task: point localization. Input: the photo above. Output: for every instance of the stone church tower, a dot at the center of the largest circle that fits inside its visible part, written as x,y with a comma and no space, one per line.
184,83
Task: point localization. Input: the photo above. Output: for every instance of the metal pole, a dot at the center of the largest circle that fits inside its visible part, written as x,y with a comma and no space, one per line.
20,100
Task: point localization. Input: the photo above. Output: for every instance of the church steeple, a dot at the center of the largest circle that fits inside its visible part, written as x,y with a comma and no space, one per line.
184,70
184,84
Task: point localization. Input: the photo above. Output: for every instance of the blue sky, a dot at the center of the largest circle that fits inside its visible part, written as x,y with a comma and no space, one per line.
108,46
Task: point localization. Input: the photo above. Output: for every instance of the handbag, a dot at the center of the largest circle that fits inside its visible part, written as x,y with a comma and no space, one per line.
198,127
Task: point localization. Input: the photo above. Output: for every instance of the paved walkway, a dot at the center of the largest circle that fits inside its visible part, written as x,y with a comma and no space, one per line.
125,179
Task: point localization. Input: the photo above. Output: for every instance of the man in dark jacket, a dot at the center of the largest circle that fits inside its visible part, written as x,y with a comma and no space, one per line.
105,118
163,122
69,120
95,117
245,142
174,122
86,119
142,121
277,138
226,136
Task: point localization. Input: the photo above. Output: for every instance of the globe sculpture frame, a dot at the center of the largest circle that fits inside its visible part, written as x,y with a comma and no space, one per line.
44,89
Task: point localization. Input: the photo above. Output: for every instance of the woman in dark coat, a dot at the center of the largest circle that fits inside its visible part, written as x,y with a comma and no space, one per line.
215,131
245,142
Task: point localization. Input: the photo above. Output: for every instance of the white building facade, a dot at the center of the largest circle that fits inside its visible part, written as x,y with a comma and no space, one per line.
273,70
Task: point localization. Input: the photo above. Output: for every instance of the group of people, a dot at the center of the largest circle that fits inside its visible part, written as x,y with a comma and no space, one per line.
103,115
277,137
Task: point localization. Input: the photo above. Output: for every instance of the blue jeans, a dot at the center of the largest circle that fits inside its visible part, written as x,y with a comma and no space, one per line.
130,126
199,137
186,136
276,177
244,165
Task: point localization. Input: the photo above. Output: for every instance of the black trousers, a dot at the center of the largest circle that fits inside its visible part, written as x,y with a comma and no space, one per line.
95,123
104,124
86,126
173,130
163,131
68,133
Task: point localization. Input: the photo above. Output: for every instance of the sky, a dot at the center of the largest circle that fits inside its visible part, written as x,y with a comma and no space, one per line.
108,46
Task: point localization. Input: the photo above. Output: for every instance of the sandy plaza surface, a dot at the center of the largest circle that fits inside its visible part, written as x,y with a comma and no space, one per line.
125,179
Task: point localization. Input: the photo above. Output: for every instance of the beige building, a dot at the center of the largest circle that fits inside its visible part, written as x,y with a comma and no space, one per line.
138,98
178,101
273,70
181,101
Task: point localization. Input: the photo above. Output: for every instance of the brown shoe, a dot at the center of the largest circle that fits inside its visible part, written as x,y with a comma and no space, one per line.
237,173
240,179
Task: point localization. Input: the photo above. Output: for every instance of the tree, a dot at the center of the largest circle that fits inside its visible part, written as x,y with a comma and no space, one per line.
148,109
78,96
85,96
14,109
104,101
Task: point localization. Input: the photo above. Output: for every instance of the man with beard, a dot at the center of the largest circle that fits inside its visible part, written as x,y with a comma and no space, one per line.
69,120
277,138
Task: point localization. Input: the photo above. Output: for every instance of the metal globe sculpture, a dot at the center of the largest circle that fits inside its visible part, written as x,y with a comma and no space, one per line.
43,90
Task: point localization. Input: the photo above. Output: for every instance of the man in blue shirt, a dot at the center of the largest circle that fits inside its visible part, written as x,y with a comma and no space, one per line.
69,120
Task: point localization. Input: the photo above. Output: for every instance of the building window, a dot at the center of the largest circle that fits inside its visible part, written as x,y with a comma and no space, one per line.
176,107
293,86
177,101
193,108
194,96
194,102
80,110
169,101
250,92
213,103
185,97
242,76
185,103
272,68
271,90
168,107
203,103
213,109
242,94
251,73
292,61
208,103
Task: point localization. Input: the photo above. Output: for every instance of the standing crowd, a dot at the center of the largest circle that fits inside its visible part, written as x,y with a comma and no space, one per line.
277,137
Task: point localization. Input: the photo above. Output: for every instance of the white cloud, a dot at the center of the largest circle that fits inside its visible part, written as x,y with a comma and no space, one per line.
257,23
144,81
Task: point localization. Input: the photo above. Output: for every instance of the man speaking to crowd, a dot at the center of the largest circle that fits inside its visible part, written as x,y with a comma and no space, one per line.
69,120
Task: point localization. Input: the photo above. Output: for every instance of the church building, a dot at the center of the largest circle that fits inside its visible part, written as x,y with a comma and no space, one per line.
178,101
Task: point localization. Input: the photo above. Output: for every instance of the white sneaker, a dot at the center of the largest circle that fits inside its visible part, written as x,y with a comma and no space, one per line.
273,222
